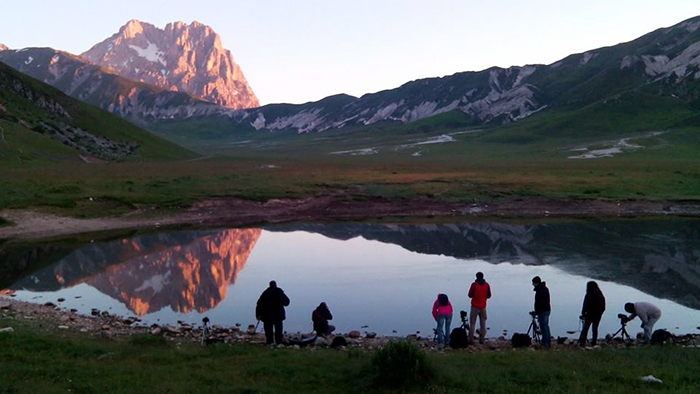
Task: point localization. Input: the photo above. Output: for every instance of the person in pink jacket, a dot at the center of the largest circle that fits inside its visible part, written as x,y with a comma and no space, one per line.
442,312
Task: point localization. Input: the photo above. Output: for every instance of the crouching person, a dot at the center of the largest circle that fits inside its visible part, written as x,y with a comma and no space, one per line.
320,317
648,313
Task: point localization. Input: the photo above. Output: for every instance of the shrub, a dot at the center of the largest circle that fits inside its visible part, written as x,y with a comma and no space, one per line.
402,364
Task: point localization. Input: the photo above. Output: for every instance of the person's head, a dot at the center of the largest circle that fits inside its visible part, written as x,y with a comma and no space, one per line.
629,307
479,275
443,300
323,305
273,283
536,281
591,287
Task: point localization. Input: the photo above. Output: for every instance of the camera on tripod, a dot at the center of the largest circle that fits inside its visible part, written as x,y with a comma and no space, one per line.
463,316
533,313
623,318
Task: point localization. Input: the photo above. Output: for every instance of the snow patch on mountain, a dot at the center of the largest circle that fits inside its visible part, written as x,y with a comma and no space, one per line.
587,57
151,53
29,60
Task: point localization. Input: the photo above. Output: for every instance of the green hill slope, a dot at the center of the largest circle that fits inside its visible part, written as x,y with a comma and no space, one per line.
39,123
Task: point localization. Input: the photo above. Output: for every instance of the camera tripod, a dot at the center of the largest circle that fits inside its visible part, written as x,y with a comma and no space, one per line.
624,335
534,327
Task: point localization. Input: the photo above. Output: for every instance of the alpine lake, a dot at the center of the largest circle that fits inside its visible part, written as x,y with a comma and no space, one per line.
379,278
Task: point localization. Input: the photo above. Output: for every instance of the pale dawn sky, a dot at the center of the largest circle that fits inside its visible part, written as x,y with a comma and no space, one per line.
298,51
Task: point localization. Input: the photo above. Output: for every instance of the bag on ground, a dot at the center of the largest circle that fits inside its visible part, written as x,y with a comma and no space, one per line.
521,340
459,338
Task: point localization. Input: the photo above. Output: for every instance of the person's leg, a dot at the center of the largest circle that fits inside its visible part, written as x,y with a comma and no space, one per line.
473,314
440,327
448,323
267,326
543,319
278,332
584,332
482,325
595,323
649,328
331,328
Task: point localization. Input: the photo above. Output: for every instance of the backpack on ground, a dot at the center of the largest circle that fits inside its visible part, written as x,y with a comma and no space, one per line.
660,336
459,338
521,340
338,342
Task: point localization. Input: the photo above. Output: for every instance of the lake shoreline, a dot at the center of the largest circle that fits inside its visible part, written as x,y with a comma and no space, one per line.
235,212
51,318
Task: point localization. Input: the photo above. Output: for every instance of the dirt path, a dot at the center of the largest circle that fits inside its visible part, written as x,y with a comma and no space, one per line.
231,212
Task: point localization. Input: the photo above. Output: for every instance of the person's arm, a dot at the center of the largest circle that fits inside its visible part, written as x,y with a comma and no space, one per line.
329,316
471,291
258,309
285,299
435,310
488,295
586,302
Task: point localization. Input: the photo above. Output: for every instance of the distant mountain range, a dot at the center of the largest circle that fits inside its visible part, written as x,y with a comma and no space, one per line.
662,67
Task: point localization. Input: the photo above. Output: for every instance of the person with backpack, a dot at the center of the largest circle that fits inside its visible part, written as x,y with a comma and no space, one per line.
442,313
320,317
270,309
479,292
543,309
592,312
648,313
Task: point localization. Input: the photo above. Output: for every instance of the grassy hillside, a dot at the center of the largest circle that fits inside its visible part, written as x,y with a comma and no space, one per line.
39,123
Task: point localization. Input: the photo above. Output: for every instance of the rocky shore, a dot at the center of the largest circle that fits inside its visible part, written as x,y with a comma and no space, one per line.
51,318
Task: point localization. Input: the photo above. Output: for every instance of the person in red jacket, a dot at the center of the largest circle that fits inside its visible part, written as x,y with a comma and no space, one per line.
479,292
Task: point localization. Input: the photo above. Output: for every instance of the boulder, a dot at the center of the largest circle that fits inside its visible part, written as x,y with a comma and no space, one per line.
7,330
371,335
354,334
61,299
50,305
156,331
63,327
5,305
321,341
171,330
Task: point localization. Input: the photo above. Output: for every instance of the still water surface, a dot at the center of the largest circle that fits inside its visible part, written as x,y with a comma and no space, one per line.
381,278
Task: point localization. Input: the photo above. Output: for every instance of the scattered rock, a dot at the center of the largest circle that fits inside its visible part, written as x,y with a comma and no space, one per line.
50,305
73,310
156,331
61,299
63,327
5,305
171,330
371,335
651,379
7,330
321,341
354,334
94,312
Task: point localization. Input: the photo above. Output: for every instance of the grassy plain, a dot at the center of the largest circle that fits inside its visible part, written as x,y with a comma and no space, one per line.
33,360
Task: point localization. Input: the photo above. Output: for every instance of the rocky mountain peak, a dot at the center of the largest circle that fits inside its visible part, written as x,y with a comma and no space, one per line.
3,47
180,57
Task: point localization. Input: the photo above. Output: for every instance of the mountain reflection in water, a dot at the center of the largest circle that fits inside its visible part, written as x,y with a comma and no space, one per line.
191,271
184,270
658,257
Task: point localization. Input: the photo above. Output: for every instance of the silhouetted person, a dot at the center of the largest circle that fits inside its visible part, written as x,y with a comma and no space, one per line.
648,313
542,308
320,317
592,312
442,313
270,309
479,292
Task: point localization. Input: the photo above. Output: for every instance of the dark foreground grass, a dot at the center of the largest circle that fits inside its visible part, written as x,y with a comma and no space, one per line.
32,361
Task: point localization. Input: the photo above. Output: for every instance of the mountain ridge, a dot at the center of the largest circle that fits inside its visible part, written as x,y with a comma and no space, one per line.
180,57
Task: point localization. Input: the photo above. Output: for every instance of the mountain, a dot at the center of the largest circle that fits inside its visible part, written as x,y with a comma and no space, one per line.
3,47
181,57
661,67
38,121
75,76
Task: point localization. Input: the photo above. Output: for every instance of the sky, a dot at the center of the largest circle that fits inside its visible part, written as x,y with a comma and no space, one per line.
304,50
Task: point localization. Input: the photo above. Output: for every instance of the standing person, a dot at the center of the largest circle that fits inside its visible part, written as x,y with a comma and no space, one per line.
270,309
592,312
320,317
542,308
479,292
442,312
648,313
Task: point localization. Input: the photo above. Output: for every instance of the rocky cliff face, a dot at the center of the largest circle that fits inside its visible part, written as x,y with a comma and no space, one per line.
98,86
181,57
